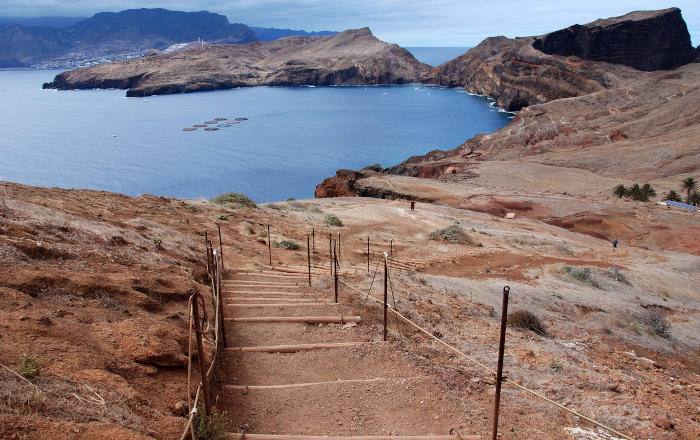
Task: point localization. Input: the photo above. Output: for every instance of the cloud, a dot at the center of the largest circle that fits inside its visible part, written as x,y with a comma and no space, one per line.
406,22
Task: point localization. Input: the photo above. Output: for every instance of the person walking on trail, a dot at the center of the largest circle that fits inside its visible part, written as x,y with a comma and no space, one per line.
413,205
614,244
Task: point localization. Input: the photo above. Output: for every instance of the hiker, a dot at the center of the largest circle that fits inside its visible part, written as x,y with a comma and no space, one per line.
413,205
614,244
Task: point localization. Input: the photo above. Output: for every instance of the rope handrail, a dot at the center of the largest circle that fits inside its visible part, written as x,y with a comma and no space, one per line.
214,272
483,366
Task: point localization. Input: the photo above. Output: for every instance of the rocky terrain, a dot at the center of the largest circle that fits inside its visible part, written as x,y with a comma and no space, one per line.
348,58
87,293
571,62
109,34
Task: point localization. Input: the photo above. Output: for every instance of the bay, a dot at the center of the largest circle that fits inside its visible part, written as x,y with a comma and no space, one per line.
435,56
294,136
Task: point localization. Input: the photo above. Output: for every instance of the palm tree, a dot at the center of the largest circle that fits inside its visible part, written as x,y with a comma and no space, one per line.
635,192
648,191
673,196
689,185
694,198
620,191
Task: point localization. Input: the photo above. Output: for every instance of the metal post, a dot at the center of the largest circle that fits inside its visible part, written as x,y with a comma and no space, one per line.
339,256
221,248
367,254
499,371
269,244
391,248
330,251
308,258
385,297
335,262
200,351
313,241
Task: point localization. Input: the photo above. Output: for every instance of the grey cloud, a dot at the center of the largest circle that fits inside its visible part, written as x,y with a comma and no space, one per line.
406,22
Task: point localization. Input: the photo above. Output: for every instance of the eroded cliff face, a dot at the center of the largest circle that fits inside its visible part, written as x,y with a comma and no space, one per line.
645,40
571,62
349,58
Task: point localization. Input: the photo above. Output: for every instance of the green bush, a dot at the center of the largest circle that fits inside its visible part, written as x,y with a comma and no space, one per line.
209,425
453,234
583,275
221,217
525,320
333,220
158,243
235,199
286,244
29,366
191,208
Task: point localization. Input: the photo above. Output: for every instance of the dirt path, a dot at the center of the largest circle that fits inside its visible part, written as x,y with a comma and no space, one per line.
369,388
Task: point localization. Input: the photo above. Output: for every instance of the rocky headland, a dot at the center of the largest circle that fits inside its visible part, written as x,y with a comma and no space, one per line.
352,57
571,62
598,115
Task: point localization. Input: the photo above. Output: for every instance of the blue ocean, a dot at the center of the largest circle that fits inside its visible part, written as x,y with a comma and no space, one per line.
292,137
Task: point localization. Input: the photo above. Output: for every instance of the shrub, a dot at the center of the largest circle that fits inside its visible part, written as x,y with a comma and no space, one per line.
286,244
333,220
209,425
191,208
525,320
221,217
656,321
555,365
29,366
235,199
453,234
583,275
158,243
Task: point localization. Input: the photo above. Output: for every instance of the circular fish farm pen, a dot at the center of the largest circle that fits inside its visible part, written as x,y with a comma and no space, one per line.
211,129
200,125
220,119
189,129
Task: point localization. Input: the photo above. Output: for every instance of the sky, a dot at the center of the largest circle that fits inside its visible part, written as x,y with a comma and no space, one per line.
404,22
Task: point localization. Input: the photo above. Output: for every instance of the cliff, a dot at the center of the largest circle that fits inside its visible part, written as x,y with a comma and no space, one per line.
571,62
350,57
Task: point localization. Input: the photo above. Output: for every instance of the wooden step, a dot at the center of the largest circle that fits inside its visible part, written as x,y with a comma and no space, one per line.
295,304
250,436
294,348
300,319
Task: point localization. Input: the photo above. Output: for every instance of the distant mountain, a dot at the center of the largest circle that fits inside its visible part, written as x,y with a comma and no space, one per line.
271,34
109,35
54,22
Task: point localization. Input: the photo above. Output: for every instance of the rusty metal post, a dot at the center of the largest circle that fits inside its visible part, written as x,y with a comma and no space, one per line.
221,247
385,298
313,241
308,258
338,244
330,251
269,244
220,305
335,262
499,371
200,351
368,254
391,248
